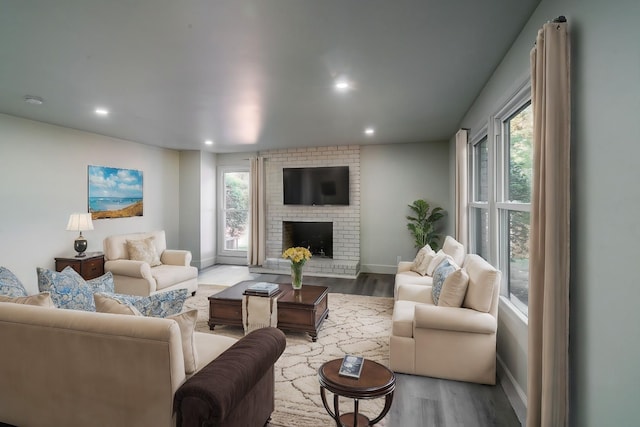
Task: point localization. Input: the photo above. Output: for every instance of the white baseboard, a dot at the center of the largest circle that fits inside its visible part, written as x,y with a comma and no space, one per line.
517,397
203,263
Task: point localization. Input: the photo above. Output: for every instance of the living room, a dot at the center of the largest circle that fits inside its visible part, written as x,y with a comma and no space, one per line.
44,173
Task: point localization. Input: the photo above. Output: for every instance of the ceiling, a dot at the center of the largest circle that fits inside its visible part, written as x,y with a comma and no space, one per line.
253,74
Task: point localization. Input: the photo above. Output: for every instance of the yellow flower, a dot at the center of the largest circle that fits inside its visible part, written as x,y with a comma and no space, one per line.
297,255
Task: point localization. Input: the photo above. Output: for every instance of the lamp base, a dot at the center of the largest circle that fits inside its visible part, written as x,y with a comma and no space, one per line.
80,245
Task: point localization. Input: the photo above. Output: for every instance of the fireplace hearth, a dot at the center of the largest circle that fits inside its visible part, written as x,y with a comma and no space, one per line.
316,236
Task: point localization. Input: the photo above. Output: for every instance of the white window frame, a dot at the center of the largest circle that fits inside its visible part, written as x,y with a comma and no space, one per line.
222,170
497,203
474,204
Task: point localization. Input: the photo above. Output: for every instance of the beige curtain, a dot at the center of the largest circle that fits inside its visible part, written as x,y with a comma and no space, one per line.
462,182
256,252
548,374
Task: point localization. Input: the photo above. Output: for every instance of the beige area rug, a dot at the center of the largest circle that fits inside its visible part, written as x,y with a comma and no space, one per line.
357,324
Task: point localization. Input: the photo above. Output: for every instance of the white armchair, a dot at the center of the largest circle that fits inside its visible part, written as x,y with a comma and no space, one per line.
141,277
457,343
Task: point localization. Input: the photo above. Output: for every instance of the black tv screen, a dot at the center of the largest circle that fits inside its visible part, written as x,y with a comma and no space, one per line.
316,186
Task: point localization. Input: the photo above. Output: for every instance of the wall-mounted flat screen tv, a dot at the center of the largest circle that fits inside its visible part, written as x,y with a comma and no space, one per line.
316,186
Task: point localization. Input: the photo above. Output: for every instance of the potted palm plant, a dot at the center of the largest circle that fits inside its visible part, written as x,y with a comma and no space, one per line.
422,224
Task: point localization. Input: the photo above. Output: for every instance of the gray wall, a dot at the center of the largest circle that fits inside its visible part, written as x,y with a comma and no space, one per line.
392,177
604,340
43,179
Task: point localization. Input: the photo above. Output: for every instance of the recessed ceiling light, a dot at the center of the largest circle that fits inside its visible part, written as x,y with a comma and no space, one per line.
208,142
369,131
342,85
102,111
33,100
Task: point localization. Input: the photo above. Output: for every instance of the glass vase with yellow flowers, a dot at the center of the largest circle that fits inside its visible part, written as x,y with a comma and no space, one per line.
298,257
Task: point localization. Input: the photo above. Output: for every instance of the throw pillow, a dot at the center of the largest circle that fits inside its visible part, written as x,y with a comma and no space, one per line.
454,289
454,249
68,289
143,250
422,260
187,323
439,275
435,262
103,283
162,304
43,299
10,285
105,303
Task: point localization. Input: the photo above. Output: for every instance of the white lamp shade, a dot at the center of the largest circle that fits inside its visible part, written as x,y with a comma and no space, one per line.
80,222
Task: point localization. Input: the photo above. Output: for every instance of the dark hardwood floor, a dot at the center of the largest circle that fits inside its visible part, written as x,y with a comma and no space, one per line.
424,401
377,285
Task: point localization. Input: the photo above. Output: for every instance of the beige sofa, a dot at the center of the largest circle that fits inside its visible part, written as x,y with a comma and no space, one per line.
75,368
135,277
457,343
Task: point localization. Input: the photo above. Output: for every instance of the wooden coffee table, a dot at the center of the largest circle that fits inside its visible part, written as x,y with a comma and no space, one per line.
301,310
375,381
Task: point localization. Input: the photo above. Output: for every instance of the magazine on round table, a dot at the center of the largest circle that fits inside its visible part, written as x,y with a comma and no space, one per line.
351,366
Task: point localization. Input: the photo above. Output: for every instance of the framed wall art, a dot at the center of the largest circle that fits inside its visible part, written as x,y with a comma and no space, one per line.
114,192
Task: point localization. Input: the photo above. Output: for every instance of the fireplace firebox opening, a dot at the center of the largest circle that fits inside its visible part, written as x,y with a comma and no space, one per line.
316,236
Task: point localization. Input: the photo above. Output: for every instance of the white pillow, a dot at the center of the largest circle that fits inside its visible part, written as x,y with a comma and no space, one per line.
435,262
422,260
143,250
187,323
454,249
454,289
43,299
106,304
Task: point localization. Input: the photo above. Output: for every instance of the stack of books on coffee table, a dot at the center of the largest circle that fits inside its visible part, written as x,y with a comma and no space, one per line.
262,289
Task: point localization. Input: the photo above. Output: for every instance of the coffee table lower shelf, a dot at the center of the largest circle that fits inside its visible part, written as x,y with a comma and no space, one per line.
301,310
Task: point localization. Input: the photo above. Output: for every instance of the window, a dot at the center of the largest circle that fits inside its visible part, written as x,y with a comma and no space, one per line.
514,204
235,212
500,195
479,214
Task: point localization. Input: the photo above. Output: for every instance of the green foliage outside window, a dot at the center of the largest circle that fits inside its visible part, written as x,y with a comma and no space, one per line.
236,204
520,178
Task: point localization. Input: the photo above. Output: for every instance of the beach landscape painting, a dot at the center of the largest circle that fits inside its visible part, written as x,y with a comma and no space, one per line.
114,192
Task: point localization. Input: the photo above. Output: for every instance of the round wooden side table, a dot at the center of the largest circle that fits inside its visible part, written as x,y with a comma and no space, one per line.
375,381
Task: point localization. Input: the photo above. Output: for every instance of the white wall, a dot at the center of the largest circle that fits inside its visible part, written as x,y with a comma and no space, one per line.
604,341
43,179
393,176
208,203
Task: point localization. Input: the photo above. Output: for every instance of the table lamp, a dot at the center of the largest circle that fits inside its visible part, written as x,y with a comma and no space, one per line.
80,222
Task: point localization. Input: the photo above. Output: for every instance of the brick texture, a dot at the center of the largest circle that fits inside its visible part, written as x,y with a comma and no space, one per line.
346,219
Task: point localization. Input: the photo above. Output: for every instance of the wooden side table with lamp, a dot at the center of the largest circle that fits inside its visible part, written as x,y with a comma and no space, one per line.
89,267
88,264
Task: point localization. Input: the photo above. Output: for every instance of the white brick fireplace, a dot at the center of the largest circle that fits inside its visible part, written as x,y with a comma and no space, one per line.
346,219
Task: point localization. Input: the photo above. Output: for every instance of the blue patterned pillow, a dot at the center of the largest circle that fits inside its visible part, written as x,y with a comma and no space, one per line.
10,285
103,283
439,275
68,289
162,304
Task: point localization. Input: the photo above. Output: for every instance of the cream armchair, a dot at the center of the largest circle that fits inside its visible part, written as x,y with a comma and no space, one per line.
137,274
448,342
